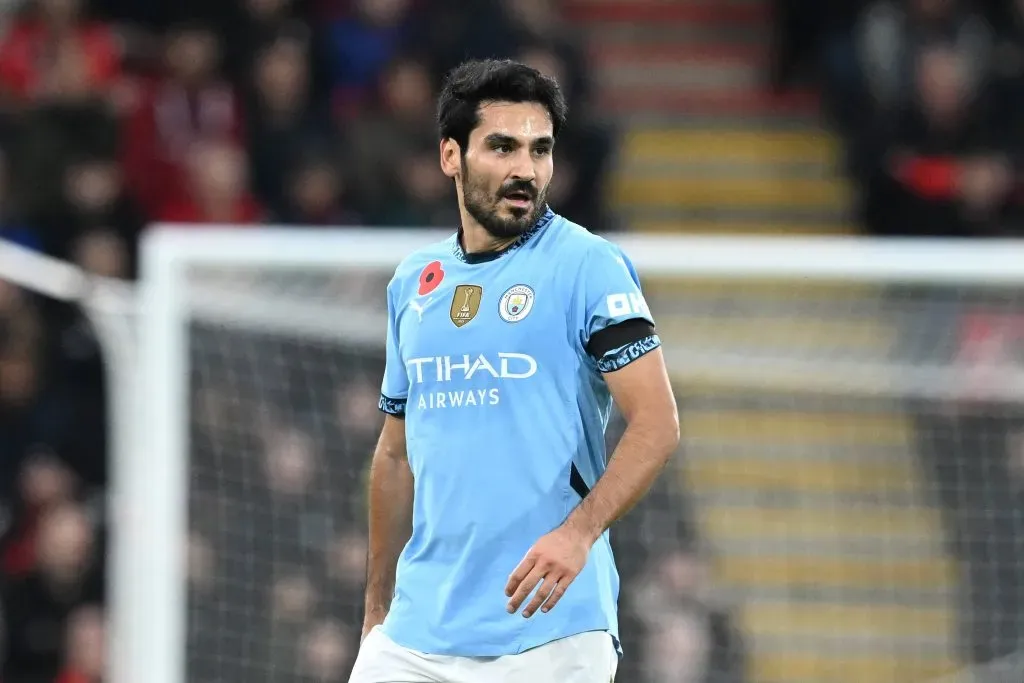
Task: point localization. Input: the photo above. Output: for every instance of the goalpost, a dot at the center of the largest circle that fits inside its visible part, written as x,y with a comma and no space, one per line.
230,292
853,455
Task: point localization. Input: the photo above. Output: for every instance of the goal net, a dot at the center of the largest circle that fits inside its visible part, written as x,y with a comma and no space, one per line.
847,504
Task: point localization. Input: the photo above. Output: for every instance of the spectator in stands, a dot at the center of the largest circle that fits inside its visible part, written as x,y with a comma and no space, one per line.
394,146
690,638
327,653
891,34
293,598
191,104
538,24
448,32
260,22
41,481
71,402
362,43
293,602
71,118
201,564
346,570
316,194
85,649
290,464
285,120
419,197
217,188
93,198
50,31
942,168
346,562
68,575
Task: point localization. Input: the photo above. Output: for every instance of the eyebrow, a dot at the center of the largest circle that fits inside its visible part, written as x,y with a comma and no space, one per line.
503,139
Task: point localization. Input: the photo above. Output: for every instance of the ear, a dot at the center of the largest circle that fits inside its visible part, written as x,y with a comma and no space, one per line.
451,157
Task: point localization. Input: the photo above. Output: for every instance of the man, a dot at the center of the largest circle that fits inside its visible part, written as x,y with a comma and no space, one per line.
490,496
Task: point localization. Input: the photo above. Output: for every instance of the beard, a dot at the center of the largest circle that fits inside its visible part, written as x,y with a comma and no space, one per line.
485,206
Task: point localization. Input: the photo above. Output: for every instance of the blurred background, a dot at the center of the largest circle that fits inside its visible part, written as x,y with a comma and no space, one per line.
825,536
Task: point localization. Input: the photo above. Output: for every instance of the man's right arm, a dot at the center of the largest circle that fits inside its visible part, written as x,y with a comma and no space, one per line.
391,491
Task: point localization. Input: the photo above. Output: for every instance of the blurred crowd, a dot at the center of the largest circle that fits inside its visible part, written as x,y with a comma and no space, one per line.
118,113
927,95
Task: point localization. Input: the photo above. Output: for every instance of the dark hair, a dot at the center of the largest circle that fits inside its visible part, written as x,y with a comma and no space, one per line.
493,80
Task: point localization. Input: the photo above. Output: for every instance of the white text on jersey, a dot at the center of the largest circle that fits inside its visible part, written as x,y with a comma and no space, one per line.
464,367
442,369
625,304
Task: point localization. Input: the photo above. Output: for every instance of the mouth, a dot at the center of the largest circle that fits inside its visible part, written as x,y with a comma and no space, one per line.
519,200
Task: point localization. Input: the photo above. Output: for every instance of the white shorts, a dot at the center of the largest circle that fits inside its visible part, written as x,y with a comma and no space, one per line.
584,658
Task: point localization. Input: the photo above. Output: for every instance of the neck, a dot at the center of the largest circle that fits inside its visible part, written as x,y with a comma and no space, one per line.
476,240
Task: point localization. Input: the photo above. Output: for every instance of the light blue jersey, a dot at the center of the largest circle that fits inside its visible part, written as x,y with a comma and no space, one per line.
491,360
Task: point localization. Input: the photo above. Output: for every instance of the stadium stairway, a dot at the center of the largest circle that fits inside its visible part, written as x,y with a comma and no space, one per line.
707,148
809,491
823,532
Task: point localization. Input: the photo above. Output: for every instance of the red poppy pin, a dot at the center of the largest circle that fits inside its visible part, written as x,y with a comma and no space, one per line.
430,278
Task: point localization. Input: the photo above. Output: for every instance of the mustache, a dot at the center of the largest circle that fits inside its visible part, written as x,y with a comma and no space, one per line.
519,187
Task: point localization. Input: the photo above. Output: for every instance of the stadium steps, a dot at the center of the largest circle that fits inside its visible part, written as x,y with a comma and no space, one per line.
709,148
696,59
810,498
690,57
739,180
822,532
825,538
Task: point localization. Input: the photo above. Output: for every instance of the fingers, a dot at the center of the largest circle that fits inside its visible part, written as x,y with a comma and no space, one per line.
524,589
553,585
556,595
544,569
519,574
545,590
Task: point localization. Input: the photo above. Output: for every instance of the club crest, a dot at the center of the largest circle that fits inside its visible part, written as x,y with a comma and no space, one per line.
516,303
465,303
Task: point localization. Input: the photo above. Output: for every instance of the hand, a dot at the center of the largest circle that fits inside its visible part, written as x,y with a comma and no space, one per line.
983,183
556,559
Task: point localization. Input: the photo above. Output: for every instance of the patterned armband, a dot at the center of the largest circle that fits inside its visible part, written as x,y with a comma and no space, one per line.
391,406
616,359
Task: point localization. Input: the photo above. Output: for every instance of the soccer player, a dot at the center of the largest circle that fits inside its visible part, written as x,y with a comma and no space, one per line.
490,491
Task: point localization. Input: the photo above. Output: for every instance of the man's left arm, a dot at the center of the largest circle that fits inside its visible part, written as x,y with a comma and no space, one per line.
617,332
643,394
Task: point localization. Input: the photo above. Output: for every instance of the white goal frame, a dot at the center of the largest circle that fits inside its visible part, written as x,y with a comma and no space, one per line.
149,589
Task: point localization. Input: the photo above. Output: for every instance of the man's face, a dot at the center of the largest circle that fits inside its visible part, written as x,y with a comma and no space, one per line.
941,83
507,167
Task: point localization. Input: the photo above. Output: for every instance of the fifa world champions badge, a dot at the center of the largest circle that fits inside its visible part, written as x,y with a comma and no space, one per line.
465,304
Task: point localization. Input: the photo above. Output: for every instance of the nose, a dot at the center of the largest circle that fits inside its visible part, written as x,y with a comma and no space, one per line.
522,166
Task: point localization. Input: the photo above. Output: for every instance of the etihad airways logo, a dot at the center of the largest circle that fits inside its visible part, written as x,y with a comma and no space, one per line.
466,366
457,369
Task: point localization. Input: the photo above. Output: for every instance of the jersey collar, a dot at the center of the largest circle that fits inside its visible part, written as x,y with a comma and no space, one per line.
483,257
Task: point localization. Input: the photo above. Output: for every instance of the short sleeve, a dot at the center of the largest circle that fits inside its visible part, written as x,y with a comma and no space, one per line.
617,326
395,387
